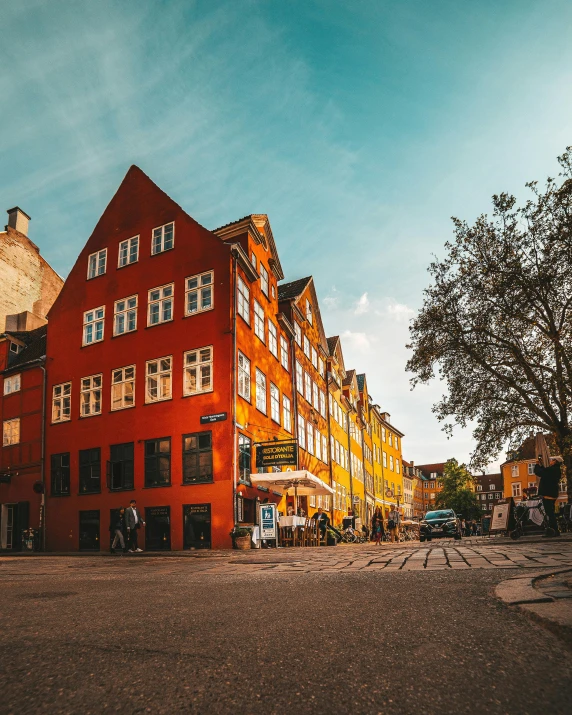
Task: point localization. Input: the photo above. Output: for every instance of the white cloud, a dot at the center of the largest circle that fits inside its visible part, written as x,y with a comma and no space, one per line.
356,342
397,311
332,300
362,305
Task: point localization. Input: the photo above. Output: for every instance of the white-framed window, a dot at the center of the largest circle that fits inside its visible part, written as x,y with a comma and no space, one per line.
497,495
274,403
286,413
514,470
396,442
391,462
199,293
299,378
158,379
284,353
308,387
259,329
314,357
315,396
492,487
160,304
93,323
97,263
15,348
253,259
325,449
383,434
306,347
491,496
385,459
243,376
128,252
322,403
11,431
272,339
123,387
61,402
263,279
309,312
243,299
391,439
531,466
479,488
301,432
90,396
309,438
298,333
125,315
516,489
12,384
260,391
318,444
561,486
321,367
397,467
163,238
198,371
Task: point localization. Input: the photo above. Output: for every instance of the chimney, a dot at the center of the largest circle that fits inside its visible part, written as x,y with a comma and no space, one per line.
18,220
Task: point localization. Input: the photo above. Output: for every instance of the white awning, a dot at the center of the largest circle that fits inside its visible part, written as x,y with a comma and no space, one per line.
300,482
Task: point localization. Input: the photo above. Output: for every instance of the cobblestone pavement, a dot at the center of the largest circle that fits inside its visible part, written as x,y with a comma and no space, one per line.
446,555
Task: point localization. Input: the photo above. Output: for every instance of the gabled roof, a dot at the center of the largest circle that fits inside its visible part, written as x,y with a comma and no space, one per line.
350,374
35,346
332,342
428,469
259,227
293,289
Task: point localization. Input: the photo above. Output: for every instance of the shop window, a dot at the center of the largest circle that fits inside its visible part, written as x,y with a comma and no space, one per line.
89,530
120,467
196,526
60,474
197,458
158,462
158,528
90,471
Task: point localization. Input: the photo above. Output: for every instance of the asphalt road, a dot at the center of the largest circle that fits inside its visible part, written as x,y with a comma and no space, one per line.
162,636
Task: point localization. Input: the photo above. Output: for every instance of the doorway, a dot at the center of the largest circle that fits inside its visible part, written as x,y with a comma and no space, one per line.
89,530
196,526
14,519
158,528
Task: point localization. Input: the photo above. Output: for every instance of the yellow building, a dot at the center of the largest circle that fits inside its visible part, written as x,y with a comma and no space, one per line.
391,460
378,476
356,468
364,409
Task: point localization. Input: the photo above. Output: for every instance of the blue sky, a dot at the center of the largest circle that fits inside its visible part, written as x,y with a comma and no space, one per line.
359,127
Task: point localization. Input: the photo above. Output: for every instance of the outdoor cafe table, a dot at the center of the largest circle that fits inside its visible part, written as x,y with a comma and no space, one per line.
294,523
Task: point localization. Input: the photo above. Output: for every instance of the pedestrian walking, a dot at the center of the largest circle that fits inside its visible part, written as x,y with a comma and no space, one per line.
393,523
117,528
133,522
377,528
550,477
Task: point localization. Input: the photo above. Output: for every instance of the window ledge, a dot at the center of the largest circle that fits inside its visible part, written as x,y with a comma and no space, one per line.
198,312
158,486
196,484
197,394
156,325
155,402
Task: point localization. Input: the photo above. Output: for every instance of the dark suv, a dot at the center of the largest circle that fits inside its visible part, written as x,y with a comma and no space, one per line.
439,523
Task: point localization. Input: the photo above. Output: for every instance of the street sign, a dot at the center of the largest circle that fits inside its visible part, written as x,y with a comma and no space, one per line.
217,417
275,454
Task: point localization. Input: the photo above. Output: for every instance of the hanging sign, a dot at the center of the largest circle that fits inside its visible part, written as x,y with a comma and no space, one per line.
267,521
275,454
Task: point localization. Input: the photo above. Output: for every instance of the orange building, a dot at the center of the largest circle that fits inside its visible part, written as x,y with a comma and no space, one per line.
433,484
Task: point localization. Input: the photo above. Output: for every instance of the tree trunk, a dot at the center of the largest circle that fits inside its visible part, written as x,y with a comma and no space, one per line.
564,443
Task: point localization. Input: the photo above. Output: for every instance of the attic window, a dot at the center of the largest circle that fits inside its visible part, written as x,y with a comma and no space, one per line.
308,311
15,348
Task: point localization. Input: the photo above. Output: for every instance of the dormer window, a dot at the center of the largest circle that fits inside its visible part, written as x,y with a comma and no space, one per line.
163,238
97,263
15,348
308,311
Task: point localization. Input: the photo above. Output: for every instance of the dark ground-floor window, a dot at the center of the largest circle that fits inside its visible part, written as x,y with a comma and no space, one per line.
89,530
158,462
120,467
197,526
197,458
89,470
60,474
157,528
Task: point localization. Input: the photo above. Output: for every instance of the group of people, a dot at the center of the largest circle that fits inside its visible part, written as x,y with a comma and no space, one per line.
469,528
378,525
124,528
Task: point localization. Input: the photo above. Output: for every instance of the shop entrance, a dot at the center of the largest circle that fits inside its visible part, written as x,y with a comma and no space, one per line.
14,519
89,530
158,528
197,526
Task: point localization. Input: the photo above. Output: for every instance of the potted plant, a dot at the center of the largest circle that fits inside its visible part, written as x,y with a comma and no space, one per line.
241,538
331,538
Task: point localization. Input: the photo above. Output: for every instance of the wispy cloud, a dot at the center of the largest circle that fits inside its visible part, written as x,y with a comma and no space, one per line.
362,305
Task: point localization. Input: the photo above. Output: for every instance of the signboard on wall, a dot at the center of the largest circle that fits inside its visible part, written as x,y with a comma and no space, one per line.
276,454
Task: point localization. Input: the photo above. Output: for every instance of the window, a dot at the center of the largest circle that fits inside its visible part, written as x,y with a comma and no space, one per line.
60,474
125,315
158,462
260,391
306,347
514,470
163,238
198,375
314,357
391,439
301,431
244,457
397,468
318,445
479,488
61,402
497,495
123,387
385,459
324,449
15,348
391,463
259,321
309,311
321,368
90,471
121,459
298,333
253,259
516,489
11,432
243,376
308,387
243,300
158,379
492,487
284,353
310,438
315,396
128,252
396,442
272,339
160,304
12,384
96,264
90,397
93,325
286,413
197,458
322,403
274,403
264,279
199,293
531,466
383,434
490,496
299,378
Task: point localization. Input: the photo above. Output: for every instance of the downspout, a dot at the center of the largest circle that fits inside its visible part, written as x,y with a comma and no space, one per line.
350,460
234,399
294,393
42,524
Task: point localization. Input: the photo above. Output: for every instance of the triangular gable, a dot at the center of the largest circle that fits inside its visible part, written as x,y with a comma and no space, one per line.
308,284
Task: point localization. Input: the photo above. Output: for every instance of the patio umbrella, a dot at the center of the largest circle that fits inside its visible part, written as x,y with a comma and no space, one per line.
298,483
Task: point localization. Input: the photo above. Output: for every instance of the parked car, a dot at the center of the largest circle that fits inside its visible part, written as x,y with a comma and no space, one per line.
436,524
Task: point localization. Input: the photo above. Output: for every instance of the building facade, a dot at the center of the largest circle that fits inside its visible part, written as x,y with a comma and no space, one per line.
489,490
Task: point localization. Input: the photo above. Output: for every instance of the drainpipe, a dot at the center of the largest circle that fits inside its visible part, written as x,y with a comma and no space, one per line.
234,399
350,461
294,393
42,524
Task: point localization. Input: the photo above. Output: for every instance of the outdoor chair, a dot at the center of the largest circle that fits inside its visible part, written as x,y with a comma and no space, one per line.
287,536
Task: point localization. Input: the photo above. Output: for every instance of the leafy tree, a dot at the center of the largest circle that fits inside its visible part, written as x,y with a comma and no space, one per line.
457,492
496,323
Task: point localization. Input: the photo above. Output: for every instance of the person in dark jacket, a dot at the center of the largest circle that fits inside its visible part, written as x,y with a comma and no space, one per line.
550,477
133,522
377,528
117,528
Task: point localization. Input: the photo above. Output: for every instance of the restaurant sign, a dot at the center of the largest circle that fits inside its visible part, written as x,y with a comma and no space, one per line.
276,454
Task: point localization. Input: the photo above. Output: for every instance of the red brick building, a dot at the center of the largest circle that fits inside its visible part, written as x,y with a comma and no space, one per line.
168,358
